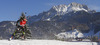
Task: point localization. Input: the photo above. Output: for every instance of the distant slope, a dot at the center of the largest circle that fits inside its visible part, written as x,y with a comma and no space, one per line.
7,28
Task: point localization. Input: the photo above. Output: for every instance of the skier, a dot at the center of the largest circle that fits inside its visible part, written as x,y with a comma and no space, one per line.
21,24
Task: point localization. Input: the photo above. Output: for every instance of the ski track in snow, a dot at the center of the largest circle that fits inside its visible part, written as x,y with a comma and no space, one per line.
43,42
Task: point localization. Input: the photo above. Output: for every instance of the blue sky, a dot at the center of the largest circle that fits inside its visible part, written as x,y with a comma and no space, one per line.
11,9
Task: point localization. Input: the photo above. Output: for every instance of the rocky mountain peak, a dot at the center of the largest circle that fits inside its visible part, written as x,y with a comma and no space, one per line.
70,8
60,8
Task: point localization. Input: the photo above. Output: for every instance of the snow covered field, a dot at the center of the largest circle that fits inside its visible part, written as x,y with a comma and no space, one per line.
43,42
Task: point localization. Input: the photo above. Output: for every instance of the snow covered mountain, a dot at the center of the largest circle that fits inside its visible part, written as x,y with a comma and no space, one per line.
59,10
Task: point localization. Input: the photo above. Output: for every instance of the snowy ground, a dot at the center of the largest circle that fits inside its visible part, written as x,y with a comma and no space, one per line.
43,42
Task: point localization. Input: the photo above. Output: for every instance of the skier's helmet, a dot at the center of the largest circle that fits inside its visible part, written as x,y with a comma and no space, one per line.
23,15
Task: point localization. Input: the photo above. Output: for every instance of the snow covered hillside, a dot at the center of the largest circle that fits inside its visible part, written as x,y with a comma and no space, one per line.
71,34
43,42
